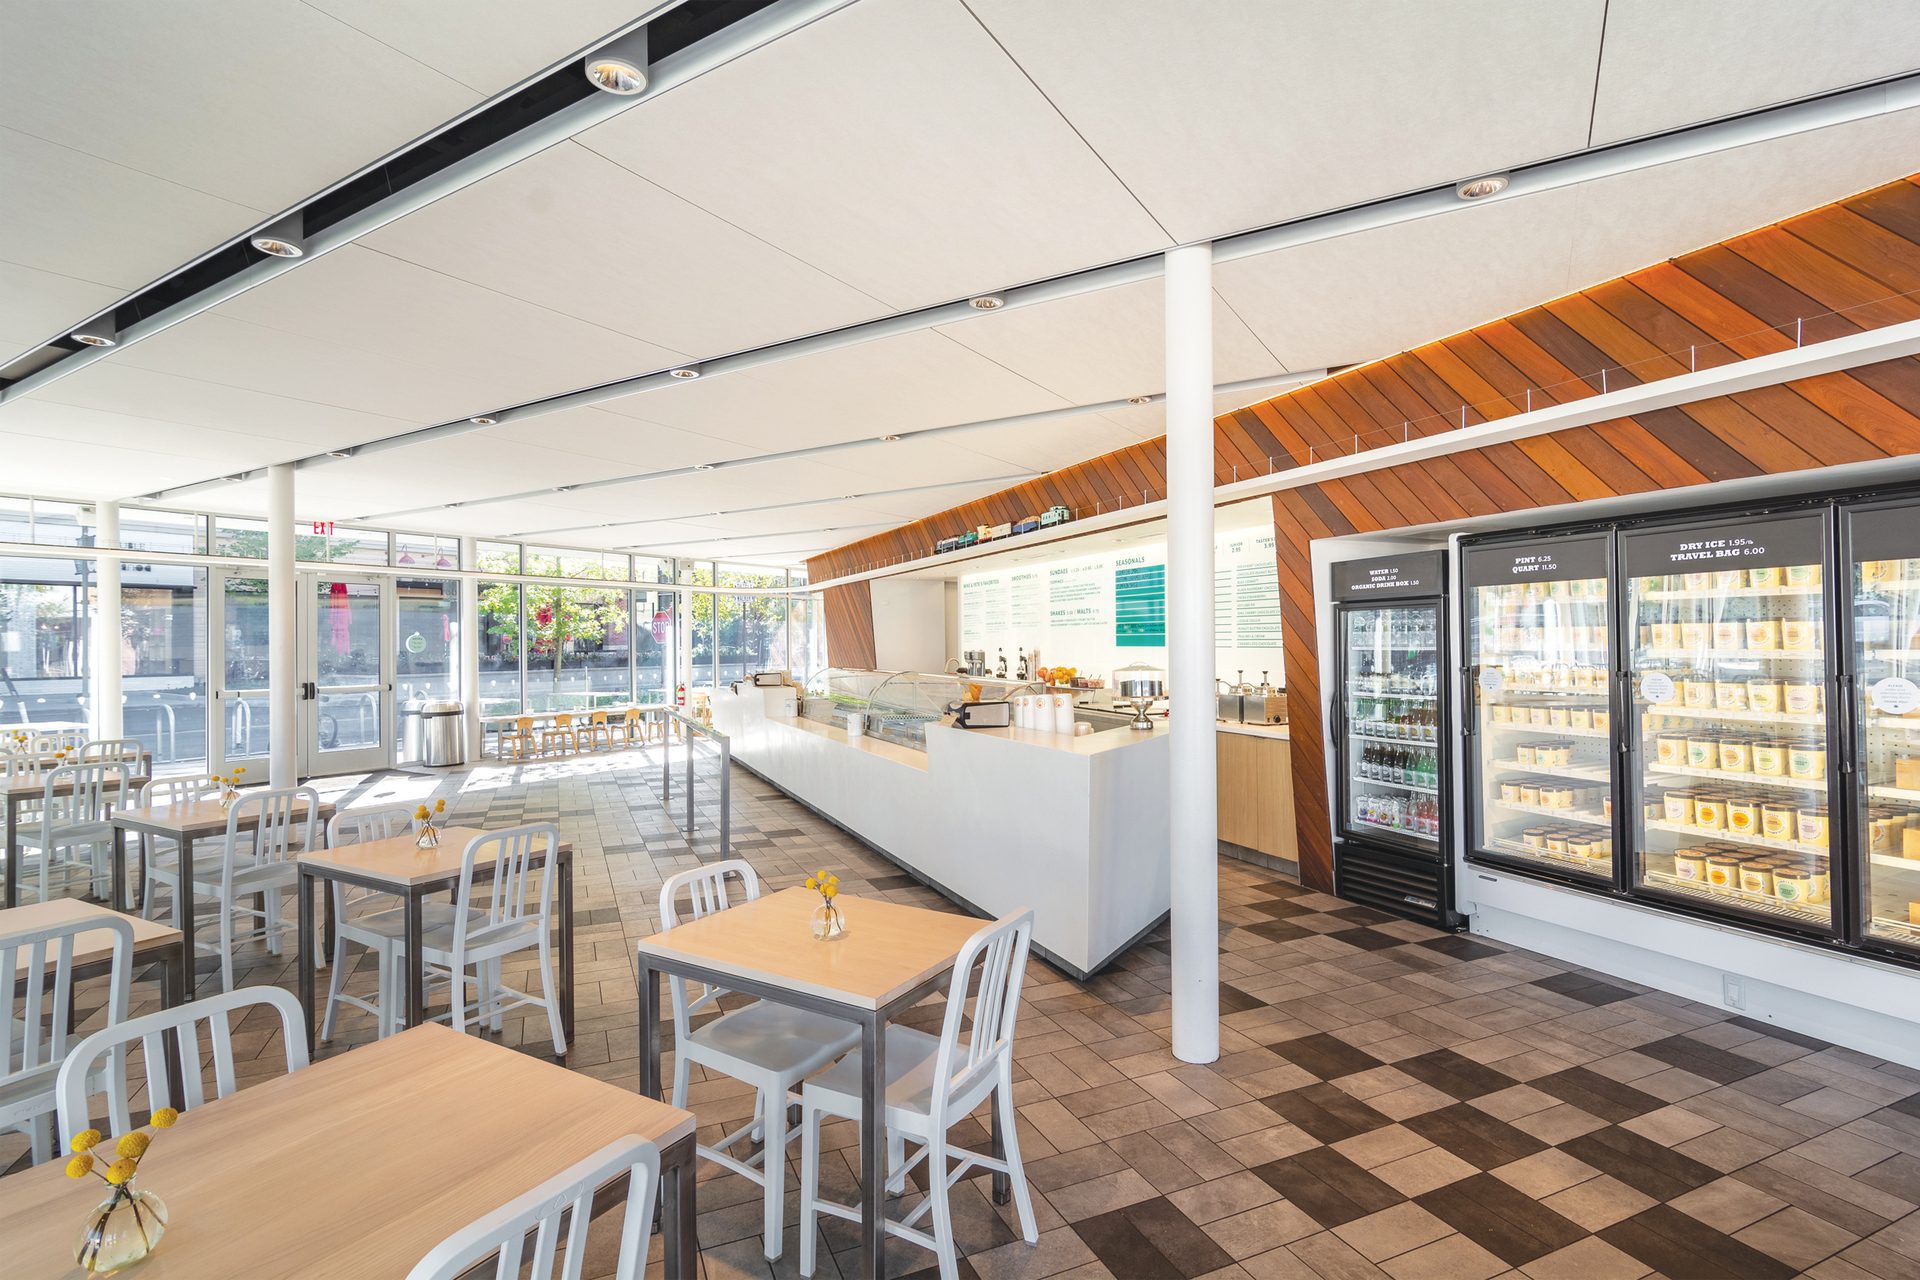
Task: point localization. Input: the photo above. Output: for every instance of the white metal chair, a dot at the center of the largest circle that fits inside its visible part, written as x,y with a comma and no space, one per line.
124,750
767,1045
180,789
357,827
933,1083
217,1012
76,820
260,861
26,766
502,1234
517,916
38,1020
67,740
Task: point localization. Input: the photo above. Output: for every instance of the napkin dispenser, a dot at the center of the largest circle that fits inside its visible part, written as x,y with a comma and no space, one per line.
983,715
770,679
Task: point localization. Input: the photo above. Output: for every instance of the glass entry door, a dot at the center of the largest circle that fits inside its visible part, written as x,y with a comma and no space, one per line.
347,681
239,731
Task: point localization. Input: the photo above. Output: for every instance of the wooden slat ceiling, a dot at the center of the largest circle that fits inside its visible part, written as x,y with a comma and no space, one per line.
1846,267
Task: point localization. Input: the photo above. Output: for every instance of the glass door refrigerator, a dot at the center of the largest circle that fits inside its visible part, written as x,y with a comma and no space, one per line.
1881,545
1539,748
1731,644
1390,734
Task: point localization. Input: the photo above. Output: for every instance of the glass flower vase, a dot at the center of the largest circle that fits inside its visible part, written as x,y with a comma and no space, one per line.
427,837
228,796
828,923
121,1230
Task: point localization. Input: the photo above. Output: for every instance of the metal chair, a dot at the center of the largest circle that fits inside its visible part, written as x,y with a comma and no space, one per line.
178,790
37,1016
79,819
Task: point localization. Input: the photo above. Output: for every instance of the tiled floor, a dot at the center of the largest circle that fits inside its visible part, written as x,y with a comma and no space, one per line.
1389,1101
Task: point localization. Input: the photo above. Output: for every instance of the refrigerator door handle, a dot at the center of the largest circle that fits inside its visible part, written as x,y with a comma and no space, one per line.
1845,684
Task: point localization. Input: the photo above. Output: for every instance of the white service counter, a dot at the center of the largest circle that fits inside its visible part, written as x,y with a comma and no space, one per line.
997,819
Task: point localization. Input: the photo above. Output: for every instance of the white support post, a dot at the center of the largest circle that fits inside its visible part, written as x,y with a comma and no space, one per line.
467,640
283,677
1190,654
108,714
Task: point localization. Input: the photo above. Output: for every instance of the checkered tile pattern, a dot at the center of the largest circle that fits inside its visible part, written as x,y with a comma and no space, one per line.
1389,1101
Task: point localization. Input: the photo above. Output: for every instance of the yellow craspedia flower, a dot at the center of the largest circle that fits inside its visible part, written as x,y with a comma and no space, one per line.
133,1145
830,892
80,1166
121,1172
812,883
439,806
421,812
165,1117
86,1140
239,769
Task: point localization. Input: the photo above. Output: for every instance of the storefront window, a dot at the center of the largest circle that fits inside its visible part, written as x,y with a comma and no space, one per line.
354,546
162,531
653,649
578,642
499,692
44,618
163,663
559,562
497,557
245,711
425,551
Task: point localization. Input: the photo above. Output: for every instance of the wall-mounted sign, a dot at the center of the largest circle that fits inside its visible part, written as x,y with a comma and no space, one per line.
323,528
1549,560
1764,543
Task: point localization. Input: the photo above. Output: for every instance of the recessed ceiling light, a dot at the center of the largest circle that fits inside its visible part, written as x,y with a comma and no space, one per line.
339,453
987,302
1139,399
563,488
451,505
1479,188
284,239
234,479
483,421
703,466
889,439
98,333
684,372
620,66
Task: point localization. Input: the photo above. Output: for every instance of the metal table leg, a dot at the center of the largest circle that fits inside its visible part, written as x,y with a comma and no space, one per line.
649,1031
677,1169
873,1143
566,947
1002,1183
174,985
119,900
183,907
417,963
306,943
13,850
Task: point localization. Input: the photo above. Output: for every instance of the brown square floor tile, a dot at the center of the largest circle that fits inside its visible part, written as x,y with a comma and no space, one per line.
1670,1126
1455,1075
1507,1223
1674,1244
1588,1259
1474,1136
1381,1146
1728,1204
1454,1258
1258,1230
1330,1188
1328,1057
1797,1238
1599,1202
1392,1232
1544,1172
1223,1197
1153,1241
1594,1093
1559,1124
1424,1171
1640,1163
1326,1113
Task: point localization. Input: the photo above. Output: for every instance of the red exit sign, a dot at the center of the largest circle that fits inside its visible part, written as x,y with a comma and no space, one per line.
323,528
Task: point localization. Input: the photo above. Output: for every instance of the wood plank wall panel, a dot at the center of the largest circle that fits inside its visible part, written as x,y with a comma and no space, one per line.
1836,270
847,612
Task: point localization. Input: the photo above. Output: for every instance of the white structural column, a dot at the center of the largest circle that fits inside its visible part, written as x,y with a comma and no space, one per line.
467,642
1190,654
283,676
108,714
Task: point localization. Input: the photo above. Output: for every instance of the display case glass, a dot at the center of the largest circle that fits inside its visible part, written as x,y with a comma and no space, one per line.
1731,732
1542,757
1884,576
898,705
1390,745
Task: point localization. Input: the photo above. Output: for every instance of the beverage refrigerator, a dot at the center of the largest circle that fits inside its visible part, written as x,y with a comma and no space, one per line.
1538,693
1390,735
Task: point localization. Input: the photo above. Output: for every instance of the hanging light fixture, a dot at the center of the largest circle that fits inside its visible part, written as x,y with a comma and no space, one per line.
285,238
620,66
100,332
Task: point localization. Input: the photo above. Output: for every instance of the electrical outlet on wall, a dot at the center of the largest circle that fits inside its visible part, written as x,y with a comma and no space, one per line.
1733,991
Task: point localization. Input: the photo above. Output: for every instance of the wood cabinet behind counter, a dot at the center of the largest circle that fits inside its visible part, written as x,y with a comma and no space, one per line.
1255,767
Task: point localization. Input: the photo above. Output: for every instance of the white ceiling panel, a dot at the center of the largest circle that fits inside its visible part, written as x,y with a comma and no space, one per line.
1634,219
1665,65
1108,345
624,445
1237,113
81,216
262,104
495,43
1049,445
48,461
913,380
617,251
902,463
893,146
1362,296
35,305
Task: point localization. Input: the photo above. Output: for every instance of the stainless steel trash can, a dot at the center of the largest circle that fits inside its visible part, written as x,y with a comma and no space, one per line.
443,727
413,742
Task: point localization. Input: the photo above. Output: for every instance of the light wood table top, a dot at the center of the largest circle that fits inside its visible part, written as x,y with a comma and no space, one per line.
355,1166
28,788
149,936
198,817
888,949
399,861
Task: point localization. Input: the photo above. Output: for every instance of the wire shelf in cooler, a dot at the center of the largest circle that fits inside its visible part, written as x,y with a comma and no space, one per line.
1728,593
1892,655
1734,655
1588,697
1363,825
1589,816
1814,720
1764,904
1893,862
1908,794
1398,740
1558,731
1358,691
1750,779
1586,773
1514,848
1895,930
1398,786
1894,724
1759,842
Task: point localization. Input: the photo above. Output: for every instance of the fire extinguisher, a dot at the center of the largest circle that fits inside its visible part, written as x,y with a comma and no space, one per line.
680,696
